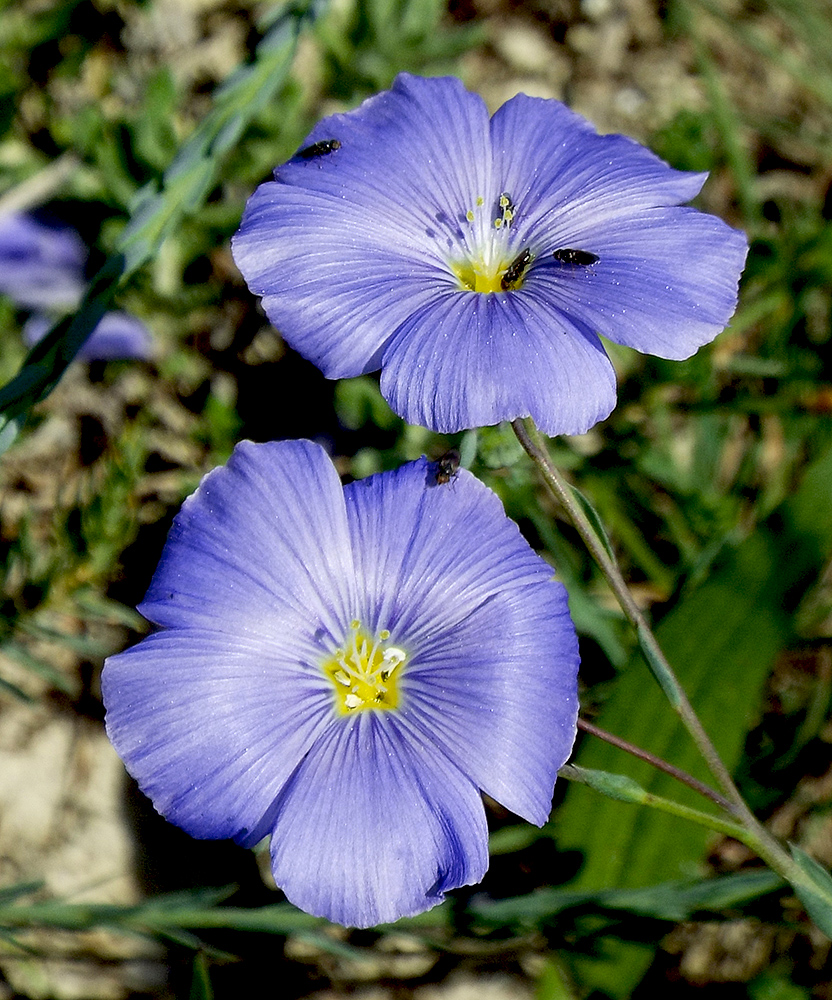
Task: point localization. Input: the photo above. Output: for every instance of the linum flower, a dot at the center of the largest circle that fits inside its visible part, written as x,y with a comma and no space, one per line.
345,668
476,260
118,336
42,268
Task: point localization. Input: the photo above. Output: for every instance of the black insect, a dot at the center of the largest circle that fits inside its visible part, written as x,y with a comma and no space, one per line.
322,148
446,467
514,271
582,257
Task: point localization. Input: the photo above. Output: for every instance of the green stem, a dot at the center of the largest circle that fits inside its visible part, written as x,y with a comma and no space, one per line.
624,789
661,765
811,889
755,835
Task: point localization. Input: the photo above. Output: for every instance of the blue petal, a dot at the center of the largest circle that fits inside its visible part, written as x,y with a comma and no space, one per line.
431,134
118,335
338,300
469,359
244,554
212,725
372,827
665,282
340,255
492,678
564,178
41,267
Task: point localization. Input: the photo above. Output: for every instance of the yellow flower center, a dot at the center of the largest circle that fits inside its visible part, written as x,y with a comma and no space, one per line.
477,276
487,264
365,673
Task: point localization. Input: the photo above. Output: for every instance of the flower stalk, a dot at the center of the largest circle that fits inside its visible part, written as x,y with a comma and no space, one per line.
661,765
624,789
747,827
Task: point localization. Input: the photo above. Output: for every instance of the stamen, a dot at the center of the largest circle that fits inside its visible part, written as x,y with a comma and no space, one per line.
485,262
506,211
364,673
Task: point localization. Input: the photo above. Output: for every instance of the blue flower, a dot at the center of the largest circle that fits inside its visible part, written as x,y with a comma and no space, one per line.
42,268
346,668
475,261
117,336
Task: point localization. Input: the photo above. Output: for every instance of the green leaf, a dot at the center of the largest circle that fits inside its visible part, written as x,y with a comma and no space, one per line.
671,901
12,892
171,916
590,617
817,895
515,838
552,983
592,516
772,985
20,655
722,640
15,691
614,786
200,979
186,184
358,401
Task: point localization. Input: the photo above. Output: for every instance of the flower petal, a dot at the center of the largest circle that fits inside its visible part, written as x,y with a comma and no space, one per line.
430,133
368,255
212,725
333,301
492,678
41,266
372,828
245,556
563,177
665,282
118,335
468,360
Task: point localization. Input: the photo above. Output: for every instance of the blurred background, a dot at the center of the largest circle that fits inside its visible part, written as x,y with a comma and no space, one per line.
713,478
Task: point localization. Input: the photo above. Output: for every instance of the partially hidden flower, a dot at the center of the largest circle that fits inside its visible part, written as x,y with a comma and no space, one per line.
118,336
42,269
475,261
346,669
41,266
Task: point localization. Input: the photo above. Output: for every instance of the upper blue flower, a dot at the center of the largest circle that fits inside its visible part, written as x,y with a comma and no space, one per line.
476,260
345,669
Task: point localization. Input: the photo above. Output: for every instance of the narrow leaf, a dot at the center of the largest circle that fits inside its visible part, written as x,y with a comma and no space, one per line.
817,895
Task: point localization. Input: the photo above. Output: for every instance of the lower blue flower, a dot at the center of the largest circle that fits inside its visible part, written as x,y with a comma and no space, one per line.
346,669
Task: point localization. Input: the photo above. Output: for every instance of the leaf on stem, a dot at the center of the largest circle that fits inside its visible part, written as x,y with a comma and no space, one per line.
816,895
